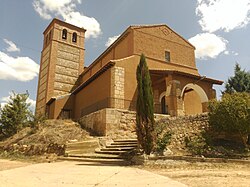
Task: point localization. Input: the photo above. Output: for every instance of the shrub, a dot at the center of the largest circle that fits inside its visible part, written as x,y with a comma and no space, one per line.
231,115
162,142
196,145
163,137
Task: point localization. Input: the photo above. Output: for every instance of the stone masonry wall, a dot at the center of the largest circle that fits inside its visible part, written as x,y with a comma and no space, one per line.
120,124
182,127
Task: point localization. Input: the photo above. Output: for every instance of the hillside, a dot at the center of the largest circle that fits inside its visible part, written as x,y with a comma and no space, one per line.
49,137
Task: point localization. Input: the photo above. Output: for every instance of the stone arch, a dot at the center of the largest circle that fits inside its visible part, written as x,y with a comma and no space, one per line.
198,89
163,94
163,103
194,99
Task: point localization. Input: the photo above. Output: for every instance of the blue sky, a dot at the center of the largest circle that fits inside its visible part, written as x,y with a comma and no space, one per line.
219,29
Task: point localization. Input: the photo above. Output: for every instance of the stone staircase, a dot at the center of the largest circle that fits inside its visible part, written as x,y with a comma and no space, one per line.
118,152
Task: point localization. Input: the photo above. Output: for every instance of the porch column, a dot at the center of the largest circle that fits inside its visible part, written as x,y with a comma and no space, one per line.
173,97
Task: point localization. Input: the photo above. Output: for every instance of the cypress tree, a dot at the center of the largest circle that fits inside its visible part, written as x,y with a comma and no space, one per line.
144,108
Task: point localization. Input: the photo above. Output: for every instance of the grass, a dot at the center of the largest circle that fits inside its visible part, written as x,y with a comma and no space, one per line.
17,156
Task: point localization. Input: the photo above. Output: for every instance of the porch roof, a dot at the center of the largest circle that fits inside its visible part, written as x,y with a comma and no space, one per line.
185,74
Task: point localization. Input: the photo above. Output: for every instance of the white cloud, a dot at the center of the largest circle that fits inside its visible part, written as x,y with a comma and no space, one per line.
208,45
89,23
67,10
32,104
111,40
19,68
5,100
223,14
41,10
12,47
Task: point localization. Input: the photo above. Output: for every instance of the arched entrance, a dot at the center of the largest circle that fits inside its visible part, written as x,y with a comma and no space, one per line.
162,100
194,99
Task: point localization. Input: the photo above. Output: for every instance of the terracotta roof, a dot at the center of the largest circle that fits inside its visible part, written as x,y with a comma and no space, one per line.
197,77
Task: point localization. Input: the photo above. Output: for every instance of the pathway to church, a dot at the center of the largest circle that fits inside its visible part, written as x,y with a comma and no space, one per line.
81,174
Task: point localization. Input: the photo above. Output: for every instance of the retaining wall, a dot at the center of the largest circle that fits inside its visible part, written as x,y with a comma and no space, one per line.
117,124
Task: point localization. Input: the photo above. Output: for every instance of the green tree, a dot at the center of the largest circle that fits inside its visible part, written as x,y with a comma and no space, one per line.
144,108
231,115
15,115
240,82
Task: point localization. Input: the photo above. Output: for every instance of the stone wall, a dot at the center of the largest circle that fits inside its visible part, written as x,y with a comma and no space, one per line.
95,122
182,127
120,124
112,123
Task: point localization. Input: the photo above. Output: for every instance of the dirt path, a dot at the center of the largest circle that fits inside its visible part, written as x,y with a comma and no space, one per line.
7,164
204,174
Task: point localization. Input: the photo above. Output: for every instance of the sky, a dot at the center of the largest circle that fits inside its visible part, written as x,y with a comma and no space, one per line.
219,29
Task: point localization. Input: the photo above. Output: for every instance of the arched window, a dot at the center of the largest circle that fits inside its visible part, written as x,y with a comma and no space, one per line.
64,34
74,37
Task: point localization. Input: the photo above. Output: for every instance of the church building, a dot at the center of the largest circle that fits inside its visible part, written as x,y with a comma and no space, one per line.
68,89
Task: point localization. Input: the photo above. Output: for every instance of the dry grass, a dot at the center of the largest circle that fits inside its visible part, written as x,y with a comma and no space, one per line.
203,174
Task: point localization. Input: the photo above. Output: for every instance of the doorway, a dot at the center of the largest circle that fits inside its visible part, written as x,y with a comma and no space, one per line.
163,105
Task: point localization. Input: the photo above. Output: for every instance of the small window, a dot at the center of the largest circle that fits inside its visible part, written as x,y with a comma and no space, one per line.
74,37
167,56
64,34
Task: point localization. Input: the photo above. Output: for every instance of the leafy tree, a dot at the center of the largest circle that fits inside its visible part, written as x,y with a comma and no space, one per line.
231,115
15,114
144,108
240,82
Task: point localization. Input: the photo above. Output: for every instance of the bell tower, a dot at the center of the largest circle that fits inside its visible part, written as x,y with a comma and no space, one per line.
62,61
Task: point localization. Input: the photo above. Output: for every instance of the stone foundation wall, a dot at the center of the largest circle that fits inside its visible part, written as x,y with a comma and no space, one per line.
95,122
182,127
112,123
120,124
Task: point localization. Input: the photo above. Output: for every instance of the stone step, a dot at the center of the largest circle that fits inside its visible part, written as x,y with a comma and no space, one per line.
79,151
96,156
125,145
126,140
83,144
96,161
110,152
87,146
117,149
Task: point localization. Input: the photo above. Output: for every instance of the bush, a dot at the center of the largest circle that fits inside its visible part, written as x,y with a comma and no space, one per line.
163,138
231,115
196,145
